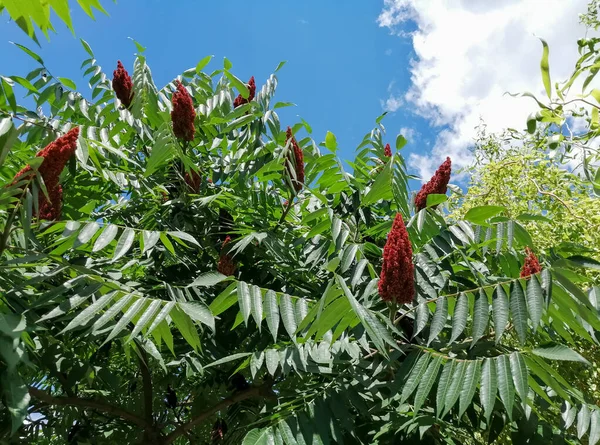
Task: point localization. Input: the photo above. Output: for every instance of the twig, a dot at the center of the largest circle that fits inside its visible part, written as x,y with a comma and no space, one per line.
551,194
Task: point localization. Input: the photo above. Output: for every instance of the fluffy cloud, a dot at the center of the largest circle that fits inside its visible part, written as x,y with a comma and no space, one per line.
469,53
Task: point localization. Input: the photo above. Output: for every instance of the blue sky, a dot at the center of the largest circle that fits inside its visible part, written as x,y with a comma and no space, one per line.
340,63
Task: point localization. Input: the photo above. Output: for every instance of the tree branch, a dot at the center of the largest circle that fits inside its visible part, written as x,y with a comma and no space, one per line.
147,383
255,391
89,403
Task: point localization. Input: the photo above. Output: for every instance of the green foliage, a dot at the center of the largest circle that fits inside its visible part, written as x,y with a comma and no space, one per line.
119,305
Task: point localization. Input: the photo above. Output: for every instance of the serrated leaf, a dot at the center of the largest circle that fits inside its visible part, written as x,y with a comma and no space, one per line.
126,318
421,318
519,374
124,244
199,312
16,398
112,311
583,421
244,300
161,316
443,386
459,318
594,436
481,313
488,387
229,358
184,236
439,319
272,313
455,387
518,310
560,352
105,238
272,360
414,376
426,382
208,279
259,437
257,305
535,301
89,312
500,312
86,234
472,376
185,325
287,315
149,312
256,361
505,383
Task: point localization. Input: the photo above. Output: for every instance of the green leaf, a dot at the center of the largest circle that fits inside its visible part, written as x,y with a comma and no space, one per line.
481,313
243,294
519,374
439,319
531,123
545,67
16,398
126,318
259,437
382,187
443,386
500,312
414,376
479,215
86,234
256,306
229,358
426,383
400,142
162,151
108,234
124,244
184,236
112,311
30,53
161,316
459,318
149,312
271,360
559,352
238,84
86,46
583,261
472,376
85,316
505,383
489,387
287,315
167,242
8,136
434,199
272,313
199,312
280,65
186,327
518,310
331,142
455,387
594,436
535,301
68,83
583,421
205,61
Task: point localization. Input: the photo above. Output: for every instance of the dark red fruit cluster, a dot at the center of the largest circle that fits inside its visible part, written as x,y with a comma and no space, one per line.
295,159
226,265
531,265
387,151
193,181
183,114
56,155
397,283
218,431
122,85
437,185
251,92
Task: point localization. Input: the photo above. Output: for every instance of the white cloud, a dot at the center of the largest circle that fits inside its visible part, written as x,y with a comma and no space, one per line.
409,133
394,100
388,52
469,53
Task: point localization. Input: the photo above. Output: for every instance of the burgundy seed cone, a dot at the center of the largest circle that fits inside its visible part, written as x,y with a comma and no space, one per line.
183,114
531,265
437,185
226,265
193,181
239,100
122,85
297,161
396,283
387,151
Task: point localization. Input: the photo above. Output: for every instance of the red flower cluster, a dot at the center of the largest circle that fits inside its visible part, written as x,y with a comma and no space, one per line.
218,431
397,282
193,181
226,265
296,162
122,85
56,155
183,114
251,92
531,265
437,185
387,151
